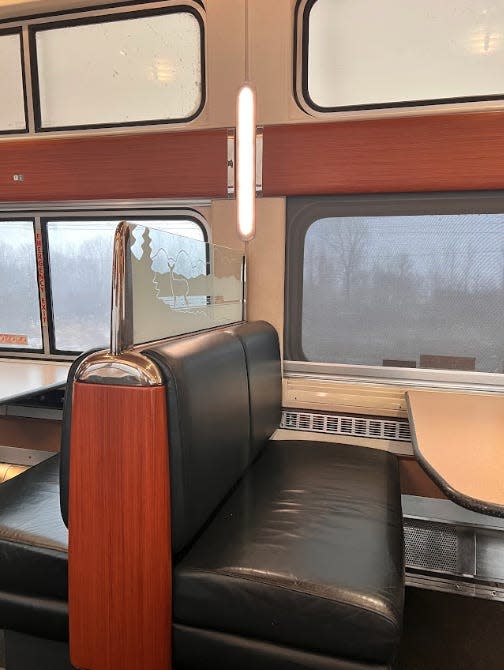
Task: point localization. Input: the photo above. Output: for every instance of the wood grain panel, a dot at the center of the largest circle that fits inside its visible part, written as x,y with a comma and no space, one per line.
148,165
414,480
429,153
28,433
119,529
457,438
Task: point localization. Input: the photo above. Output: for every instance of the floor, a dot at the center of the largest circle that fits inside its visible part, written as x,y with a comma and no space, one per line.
451,632
443,632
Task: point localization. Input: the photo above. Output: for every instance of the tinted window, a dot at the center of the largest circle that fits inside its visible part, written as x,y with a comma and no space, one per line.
120,71
12,107
373,53
80,263
397,290
20,326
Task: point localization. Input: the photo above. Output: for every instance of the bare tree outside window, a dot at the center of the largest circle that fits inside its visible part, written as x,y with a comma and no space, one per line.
405,288
19,297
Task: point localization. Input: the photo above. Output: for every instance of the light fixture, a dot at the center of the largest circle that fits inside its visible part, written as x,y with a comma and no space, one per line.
246,161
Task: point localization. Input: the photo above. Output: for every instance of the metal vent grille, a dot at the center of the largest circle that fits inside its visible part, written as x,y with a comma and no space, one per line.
431,546
339,424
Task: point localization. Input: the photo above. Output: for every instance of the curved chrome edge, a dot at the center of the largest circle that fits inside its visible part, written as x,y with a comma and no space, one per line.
130,368
121,326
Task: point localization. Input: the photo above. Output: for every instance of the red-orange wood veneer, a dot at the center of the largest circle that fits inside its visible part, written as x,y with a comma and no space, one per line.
119,529
147,165
412,154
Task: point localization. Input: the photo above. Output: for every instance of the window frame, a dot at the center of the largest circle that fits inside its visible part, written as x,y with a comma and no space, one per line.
18,31
99,212
306,103
303,211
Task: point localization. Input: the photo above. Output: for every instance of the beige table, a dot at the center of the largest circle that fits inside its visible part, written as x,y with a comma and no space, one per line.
19,378
458,438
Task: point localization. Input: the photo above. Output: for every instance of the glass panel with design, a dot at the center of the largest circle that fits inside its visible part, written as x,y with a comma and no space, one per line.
182,284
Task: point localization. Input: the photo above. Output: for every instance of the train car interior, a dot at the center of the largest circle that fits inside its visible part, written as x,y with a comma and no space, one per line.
251,334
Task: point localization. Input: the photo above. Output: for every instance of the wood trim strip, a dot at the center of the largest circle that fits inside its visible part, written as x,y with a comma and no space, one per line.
413,154
120,582
148,165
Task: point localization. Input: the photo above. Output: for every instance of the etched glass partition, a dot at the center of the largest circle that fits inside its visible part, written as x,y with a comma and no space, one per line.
178,284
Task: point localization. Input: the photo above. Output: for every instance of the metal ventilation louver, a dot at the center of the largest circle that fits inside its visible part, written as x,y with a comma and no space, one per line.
340,424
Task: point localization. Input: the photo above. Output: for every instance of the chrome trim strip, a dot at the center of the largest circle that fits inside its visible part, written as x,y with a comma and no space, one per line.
231,162
41,282
121,321
259,160
28,83
406,377
152,207
129,368
460,586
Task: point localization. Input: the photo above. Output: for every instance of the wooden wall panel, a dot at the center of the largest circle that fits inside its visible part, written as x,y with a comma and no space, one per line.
415,481
413,154
147,165
28,433
119,529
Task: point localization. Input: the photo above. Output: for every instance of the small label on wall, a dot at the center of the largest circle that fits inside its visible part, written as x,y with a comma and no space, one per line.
7,338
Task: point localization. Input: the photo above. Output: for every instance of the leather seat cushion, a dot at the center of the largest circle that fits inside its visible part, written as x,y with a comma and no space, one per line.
33,553
307,553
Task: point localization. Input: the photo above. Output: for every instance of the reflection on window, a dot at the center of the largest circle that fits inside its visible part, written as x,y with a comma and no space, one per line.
80,265
20,326
410,291
12,110
122,71
387,52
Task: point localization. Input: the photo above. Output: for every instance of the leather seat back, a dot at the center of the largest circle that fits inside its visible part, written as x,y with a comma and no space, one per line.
208,424
262,353
224,402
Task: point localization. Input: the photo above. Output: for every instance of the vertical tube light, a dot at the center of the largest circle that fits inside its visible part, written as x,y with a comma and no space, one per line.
246,161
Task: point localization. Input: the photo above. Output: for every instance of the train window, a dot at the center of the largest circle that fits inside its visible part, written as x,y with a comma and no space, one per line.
12,109
119,69
80,270
20,323
80,267
397,282
401,54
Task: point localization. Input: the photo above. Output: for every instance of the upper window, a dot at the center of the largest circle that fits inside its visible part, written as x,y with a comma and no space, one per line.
137,64
365,54
12,107
397,282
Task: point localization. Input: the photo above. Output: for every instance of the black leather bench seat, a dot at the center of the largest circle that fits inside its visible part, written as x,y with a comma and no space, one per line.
33,553
306,553
287,555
